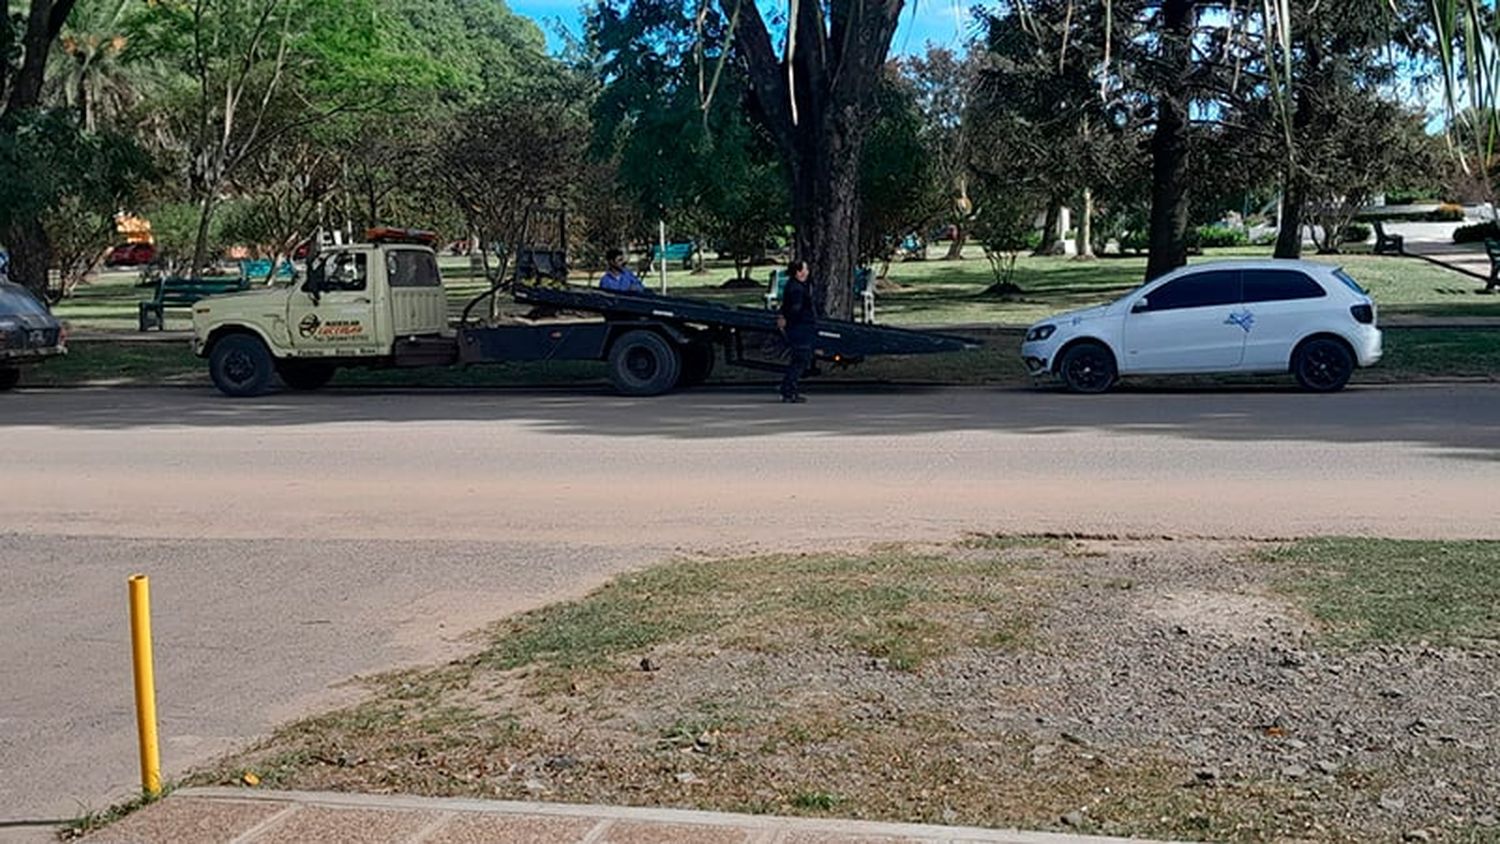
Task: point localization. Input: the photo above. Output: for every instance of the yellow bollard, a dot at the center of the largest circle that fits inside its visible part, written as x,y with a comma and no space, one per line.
145,683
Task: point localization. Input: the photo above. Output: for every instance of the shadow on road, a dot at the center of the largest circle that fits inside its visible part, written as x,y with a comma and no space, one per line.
1461,418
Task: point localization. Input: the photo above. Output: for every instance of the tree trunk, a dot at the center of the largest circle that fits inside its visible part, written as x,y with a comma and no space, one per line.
1051,237
1085,239
30,255
200,244
1169,144
826,215
960,239
1289,227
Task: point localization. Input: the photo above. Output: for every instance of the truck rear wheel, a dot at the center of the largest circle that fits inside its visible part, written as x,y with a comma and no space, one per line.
697,364
240,365
643,363
9,378
305,374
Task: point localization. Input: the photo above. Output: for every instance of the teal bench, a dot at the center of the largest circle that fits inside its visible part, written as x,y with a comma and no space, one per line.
682,252
178,292
864,288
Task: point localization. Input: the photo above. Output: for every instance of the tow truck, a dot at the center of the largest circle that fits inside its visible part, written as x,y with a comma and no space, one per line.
381,303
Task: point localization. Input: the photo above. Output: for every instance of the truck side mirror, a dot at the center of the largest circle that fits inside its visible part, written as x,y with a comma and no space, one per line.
313,286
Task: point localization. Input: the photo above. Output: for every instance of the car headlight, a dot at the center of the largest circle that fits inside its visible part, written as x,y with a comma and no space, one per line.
1041,332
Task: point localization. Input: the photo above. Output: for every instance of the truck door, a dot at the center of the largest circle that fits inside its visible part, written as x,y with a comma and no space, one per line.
334,313
418,303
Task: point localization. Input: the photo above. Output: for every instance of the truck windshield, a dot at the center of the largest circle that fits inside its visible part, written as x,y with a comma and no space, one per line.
14,300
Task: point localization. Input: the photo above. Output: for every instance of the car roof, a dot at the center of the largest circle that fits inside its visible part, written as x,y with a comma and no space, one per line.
1262,264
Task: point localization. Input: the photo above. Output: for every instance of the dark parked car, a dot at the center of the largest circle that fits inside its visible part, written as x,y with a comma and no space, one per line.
27,333
131,255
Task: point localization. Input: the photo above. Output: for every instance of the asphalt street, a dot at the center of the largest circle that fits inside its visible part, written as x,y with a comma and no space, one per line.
297,541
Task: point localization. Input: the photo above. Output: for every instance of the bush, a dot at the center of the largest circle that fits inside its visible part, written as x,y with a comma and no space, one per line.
1488,230
1446,213
1133,241
1409,197
1356,233
1212,237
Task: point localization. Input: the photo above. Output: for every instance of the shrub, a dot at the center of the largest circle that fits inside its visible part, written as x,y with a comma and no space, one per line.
1446,213
1488,230
1133,241
1356,233
1210,237
1408,197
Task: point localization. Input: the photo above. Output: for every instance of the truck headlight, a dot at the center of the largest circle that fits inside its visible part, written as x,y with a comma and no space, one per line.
1041,332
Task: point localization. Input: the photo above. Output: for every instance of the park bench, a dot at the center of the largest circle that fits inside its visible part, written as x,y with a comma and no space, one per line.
864,288
178,292
682,252
1387,244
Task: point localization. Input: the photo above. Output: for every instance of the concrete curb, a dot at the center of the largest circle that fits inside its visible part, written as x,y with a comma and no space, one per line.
675,824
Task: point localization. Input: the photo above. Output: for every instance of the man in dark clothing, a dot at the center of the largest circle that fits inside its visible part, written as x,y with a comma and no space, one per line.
798,322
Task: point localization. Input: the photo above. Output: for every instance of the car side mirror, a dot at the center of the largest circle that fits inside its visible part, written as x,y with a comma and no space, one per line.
1140,306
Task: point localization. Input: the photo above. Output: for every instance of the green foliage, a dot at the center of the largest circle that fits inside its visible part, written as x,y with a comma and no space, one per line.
1218,237
1487,230
900,188
1356,233
680,152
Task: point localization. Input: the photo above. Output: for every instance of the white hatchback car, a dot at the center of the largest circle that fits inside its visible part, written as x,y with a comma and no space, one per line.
1309,319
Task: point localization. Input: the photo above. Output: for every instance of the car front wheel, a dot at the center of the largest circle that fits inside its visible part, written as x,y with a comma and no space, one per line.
1323,365
1087,368
241,365
9,378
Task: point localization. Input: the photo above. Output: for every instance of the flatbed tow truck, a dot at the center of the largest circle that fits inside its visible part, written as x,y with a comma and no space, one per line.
382,304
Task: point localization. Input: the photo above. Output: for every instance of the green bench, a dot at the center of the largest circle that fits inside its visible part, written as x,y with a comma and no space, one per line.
681,252
864,288
178,292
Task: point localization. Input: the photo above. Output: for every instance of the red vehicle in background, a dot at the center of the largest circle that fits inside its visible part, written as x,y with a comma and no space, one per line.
131,255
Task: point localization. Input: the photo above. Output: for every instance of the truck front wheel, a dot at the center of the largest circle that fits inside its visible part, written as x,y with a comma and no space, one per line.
9,378
643,363
240,365
305,374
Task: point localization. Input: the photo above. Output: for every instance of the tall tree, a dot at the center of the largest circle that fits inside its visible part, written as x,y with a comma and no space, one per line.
816,96
23,66
1172,96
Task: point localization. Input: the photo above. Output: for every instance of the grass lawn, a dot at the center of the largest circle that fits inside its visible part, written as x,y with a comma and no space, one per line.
926,293
1150,688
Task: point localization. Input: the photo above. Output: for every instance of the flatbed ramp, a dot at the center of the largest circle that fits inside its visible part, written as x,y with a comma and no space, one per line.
843,338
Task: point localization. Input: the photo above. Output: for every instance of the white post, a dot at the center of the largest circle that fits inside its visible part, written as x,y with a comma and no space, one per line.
662,269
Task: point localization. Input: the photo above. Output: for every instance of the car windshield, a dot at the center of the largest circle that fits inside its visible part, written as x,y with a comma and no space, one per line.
1349,281
15,300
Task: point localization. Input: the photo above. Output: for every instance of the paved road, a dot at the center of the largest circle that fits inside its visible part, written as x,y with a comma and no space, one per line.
296,541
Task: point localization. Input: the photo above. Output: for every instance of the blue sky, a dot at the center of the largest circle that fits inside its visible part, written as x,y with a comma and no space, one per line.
935,21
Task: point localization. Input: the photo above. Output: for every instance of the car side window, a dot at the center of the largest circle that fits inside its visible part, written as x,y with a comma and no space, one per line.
337,271
1197,290
1280,286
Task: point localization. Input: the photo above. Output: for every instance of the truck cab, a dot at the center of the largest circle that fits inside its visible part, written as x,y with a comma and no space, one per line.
357,304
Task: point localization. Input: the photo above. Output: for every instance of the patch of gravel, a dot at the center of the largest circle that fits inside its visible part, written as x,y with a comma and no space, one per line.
1163,688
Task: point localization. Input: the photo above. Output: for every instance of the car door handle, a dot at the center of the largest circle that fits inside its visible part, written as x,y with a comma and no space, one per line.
360,301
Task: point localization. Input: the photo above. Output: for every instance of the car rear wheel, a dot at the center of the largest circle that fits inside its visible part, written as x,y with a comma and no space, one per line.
9,378
1323,365
240,365
1087,368
305,375
643,363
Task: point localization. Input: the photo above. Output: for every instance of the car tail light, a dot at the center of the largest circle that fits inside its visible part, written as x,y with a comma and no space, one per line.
1363,313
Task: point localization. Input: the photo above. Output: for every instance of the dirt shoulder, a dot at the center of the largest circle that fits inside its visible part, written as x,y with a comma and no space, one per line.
1199,690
